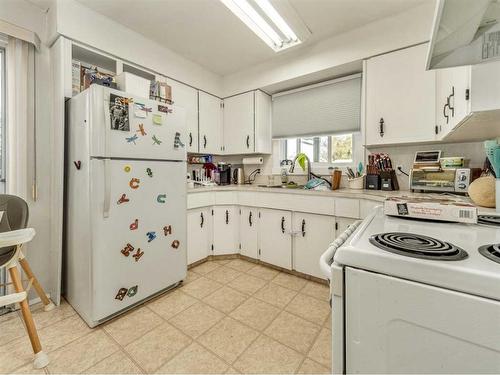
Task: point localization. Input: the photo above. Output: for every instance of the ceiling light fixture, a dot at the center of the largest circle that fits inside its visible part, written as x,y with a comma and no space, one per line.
274,16
269,33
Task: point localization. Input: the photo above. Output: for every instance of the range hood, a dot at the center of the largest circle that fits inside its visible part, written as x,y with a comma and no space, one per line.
465,32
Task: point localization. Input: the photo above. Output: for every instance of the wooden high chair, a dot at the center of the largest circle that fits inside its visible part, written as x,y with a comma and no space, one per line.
15,216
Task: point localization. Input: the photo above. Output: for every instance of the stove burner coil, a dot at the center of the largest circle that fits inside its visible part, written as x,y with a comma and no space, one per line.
417,246
489,220
491,252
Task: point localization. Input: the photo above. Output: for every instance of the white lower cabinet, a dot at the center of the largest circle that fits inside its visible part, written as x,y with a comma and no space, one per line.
249,232
312,235
199,231
275,240
226,222
341,224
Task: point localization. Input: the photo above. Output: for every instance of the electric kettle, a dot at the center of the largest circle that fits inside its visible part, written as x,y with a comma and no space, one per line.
238,176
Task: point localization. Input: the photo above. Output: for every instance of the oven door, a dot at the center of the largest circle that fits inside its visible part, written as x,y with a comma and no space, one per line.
398,326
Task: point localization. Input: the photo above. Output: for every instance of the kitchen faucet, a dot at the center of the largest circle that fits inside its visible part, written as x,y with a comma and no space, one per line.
292,167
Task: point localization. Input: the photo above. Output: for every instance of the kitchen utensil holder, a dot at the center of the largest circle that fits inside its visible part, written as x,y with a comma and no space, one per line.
356,183
389,181
372,182
336,177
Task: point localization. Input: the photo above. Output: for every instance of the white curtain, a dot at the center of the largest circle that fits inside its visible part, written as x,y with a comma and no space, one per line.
20,117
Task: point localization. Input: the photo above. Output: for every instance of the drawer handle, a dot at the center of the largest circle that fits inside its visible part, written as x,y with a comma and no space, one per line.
227,217
202,220
303,227
282,224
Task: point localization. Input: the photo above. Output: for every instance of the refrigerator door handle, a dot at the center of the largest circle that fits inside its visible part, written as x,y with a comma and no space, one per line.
107,188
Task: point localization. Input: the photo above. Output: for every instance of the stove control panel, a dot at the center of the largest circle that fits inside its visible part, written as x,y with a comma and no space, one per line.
462,180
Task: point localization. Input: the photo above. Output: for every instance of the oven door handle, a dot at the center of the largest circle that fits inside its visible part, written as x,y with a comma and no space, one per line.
326,259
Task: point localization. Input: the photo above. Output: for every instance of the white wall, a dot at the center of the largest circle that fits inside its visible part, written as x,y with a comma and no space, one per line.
39,252
82,24
404,29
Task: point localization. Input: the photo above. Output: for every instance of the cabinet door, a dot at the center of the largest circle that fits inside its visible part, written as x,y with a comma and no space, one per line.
249,220
313,234
199,232
239,123
401,94
275,237
226,222
210,123
452,99
187,97
263,127
341,224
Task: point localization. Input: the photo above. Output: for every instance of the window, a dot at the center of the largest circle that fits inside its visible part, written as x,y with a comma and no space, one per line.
328,149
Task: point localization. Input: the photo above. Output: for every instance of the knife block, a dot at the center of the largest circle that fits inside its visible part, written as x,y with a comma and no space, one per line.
389,181
372,182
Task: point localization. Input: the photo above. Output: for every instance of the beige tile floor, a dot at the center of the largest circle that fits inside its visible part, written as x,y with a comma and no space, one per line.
230,316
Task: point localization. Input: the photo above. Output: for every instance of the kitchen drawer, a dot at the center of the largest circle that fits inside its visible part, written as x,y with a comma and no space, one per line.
226,197
298,202
367,207
247,198
195,200
346,207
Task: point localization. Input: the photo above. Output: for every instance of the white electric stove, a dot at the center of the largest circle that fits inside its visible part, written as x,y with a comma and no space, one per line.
411,296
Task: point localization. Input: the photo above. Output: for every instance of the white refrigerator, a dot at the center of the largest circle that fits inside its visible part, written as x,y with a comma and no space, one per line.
125,207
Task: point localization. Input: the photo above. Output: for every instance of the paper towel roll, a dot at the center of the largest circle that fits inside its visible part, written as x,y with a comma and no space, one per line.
258,160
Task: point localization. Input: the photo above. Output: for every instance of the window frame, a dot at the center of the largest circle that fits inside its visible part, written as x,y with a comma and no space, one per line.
317,166
3,119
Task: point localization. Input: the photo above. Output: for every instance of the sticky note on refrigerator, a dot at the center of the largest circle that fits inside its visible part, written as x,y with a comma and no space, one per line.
157,120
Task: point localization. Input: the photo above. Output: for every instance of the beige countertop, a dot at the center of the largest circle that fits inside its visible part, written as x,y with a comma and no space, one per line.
375,195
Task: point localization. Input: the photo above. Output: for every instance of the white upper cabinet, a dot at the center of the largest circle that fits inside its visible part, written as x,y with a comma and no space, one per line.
400,98
239,123
247,123
187,97
452,98
263,123
210,116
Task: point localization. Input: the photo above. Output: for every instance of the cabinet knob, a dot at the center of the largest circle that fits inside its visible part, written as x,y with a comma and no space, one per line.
202,220
204,141
248,141
250,218
190,139
227,217
303,227
282,224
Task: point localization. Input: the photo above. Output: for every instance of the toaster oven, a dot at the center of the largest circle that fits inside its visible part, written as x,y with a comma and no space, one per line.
452,180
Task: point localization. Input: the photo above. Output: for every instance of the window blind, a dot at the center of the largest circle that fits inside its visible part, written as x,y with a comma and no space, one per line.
325,108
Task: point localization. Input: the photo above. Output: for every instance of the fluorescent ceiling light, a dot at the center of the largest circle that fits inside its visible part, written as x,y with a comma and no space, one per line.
274,16
268,32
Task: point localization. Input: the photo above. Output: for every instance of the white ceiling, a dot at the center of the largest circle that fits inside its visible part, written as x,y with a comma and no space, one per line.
206,32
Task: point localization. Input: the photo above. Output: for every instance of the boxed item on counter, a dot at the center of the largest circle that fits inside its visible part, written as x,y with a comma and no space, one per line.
441,209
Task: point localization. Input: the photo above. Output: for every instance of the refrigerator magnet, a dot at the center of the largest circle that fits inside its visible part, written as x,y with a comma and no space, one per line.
123,199
164,109
157,120
132,291
175,244
118,113
149,172
156,141
151,236
134,183
138,110
127,250
134,225
138,254
127,168
122,292
132,139
141,130
161,198
167,229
